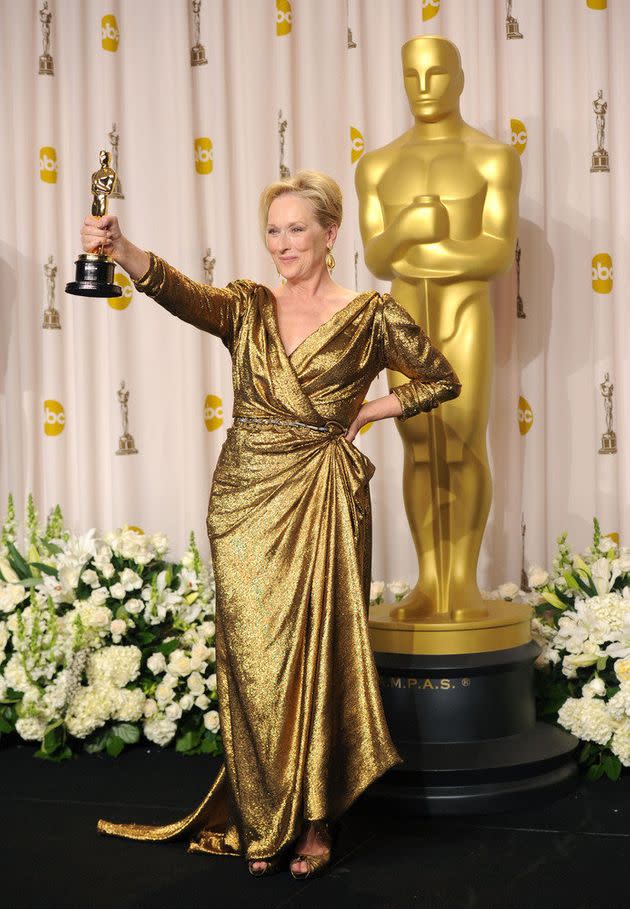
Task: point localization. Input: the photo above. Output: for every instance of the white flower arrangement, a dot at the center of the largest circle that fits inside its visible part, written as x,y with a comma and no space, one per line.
581,623
102,641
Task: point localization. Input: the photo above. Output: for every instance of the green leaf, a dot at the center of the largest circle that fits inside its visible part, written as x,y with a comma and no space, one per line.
595,771
53,739
114,745
146,637
168,647
17,563
612,766
47,569
129,733
586,752
187,741
62,755
601,664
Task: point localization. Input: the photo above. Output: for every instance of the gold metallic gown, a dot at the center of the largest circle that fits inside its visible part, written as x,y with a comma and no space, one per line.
289,523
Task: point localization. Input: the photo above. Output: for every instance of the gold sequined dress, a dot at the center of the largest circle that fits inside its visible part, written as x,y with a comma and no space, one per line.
289,524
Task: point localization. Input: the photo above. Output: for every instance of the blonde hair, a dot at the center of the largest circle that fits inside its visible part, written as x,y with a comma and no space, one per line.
321,191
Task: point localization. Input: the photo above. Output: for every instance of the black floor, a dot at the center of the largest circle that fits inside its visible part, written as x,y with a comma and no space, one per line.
573,853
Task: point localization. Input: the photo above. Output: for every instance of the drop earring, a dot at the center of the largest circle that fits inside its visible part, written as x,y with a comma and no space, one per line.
330,260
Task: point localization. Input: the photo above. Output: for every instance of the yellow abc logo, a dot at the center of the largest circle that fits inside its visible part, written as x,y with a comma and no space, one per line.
525,415
357,144
519,135
597,4
48,164
110,35
284,17
430,8
602,273
213,412
54,418
127,292
203,155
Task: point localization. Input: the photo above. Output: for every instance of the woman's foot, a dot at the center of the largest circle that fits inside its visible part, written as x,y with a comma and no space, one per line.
313,840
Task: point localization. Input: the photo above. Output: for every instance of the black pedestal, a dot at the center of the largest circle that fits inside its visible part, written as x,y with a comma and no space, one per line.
466,728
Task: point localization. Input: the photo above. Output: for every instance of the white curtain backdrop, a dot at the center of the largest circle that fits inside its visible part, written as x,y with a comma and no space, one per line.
197,144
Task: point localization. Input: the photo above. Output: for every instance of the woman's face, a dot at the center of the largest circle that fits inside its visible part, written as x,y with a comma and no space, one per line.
296,240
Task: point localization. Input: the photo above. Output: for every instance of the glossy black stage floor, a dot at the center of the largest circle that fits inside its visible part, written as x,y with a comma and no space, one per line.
571,853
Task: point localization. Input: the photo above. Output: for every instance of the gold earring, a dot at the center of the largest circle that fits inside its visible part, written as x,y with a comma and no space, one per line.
330,261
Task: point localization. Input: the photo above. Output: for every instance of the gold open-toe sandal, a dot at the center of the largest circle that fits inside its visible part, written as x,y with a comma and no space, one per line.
316,864
272,865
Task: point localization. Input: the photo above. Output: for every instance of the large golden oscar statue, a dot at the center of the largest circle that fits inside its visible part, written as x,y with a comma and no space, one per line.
439,215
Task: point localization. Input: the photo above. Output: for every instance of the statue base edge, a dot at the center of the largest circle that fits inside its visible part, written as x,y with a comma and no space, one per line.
480,778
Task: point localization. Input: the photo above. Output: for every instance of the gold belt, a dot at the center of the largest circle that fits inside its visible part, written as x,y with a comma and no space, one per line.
331,426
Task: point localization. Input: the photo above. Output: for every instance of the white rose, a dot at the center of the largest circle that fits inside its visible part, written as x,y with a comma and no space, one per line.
134,606
207,629
211,681
196,683
376,590
186,701
157,663
179,663
537,576
150,707
118,626
90,577
398,588
173,711
594,689
107,570
130,580
211,720
508,591
202,702
118,591
99,596
10,596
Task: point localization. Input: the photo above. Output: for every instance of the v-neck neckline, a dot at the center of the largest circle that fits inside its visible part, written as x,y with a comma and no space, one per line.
319,328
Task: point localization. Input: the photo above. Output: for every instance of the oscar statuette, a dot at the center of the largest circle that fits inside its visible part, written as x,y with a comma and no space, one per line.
94,274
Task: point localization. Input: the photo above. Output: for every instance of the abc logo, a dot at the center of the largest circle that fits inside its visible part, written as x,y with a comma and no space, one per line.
213,412
519,135
110,36
597,4
602,273
284,17
54,418
203,155
48,164
525,416
357,144
127,292
430,8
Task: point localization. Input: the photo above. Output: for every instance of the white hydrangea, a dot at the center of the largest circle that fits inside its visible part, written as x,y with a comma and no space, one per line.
127,704
118,664
160,729
89,709
31,728
588,719
619,704
620,744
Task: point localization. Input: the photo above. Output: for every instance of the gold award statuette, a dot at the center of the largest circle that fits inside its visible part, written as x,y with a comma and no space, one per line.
439,213
94,274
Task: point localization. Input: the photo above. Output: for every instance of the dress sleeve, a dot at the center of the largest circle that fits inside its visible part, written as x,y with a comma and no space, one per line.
406,348
217,310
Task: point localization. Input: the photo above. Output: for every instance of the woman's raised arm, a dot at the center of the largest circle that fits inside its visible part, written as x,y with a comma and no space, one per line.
216,310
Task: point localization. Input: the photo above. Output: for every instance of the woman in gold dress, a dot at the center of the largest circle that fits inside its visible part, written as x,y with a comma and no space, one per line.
289,524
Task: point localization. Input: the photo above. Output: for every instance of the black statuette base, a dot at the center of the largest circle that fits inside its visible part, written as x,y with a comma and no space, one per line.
94,276
466,729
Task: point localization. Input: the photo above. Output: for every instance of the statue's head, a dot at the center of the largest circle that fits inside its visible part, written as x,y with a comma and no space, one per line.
434,79
105,158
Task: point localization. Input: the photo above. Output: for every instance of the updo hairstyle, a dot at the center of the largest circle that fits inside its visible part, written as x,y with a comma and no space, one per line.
321,190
